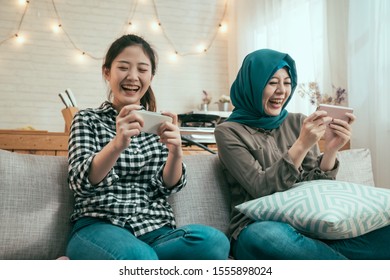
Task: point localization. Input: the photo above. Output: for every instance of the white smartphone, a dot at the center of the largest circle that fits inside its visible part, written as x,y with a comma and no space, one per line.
336,112
152,120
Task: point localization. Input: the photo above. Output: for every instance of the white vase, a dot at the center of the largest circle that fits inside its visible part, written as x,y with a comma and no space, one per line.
204,107
223,106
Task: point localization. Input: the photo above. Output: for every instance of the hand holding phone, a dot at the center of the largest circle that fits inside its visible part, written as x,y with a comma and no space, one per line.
336,112
152,120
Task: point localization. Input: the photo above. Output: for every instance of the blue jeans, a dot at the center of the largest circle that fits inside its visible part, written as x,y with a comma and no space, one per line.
274,240
101,240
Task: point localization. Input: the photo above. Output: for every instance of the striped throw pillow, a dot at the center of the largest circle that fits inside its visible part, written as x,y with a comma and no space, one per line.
325,209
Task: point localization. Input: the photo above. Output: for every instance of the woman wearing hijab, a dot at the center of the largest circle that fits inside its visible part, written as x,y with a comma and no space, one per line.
264,149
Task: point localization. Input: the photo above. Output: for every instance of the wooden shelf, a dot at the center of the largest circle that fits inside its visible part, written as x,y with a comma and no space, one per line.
56,143
193,150
34,142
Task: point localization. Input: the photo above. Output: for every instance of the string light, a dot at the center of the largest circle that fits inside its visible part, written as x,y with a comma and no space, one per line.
201,48
81,57
223,27
173,56
20,39
84,53
56,28
131,28
155,25
23,2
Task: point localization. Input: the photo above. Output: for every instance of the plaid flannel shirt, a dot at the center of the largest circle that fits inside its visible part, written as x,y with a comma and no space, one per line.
133,194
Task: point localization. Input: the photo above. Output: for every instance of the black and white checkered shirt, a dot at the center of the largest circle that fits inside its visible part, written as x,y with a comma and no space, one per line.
133,193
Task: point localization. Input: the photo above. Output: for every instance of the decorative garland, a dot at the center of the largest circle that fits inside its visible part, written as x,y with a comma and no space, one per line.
130,18
16,35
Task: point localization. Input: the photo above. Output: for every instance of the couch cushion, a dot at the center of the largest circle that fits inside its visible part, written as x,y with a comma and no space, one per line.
205,199
355,166
35,205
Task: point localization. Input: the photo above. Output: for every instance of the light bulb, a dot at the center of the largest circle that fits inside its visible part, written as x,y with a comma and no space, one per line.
155,25
201,48
20,39
56,28
81,57
223,27
132,27
173,57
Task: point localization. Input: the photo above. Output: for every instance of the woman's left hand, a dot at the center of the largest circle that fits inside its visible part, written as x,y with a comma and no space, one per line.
339,133
170,134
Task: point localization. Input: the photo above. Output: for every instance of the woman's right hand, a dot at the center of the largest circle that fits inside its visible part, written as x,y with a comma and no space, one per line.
313,129
128,125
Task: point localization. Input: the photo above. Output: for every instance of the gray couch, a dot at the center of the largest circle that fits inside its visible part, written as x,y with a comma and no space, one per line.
35,202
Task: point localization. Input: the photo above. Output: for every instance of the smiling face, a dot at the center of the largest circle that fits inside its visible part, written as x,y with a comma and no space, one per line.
129,76
276,92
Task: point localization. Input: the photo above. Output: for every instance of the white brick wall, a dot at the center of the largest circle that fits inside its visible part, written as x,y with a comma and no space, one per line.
32,74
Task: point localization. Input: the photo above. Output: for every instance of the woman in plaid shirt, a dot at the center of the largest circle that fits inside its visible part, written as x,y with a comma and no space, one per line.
121,177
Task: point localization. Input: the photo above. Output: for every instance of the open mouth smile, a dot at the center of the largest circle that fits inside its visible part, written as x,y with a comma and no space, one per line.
131,88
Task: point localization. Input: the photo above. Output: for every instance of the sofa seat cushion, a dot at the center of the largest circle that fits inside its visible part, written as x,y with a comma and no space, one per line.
35,205
205,199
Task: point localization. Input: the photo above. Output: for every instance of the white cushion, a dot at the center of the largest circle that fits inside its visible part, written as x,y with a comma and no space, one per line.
325,209
355,166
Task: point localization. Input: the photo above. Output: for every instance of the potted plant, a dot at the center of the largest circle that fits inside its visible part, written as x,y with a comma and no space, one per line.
312,91
223,103
206,99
